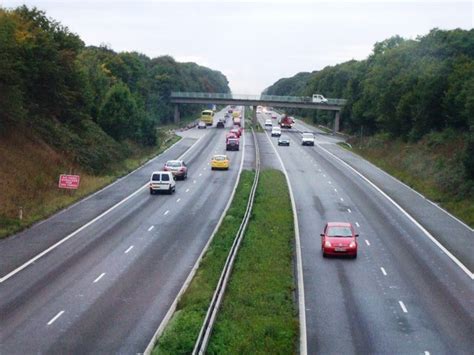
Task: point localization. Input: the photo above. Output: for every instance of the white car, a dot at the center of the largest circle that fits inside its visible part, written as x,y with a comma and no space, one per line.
319,99
276,131
268,123
307,138
162,181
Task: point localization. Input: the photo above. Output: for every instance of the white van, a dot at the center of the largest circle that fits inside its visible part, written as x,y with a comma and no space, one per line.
276,131
162,181
319,99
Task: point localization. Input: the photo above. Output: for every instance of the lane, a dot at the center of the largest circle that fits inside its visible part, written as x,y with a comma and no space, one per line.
18,249
116,280
423,303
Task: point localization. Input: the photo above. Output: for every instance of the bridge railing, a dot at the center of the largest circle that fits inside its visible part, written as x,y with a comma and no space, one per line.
268,98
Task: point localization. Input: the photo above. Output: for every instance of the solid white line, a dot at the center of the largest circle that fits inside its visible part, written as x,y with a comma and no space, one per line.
166,212
178,200
55,317
357,224
149,229
100,276
402,305
54,246
129,248
367,242
410,217
349,210
299,263
187,190
383,271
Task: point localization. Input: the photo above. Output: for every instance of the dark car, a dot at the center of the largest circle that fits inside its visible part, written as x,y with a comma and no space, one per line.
178,168
284,140
220,124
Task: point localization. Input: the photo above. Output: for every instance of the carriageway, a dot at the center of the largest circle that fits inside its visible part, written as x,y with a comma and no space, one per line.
254,101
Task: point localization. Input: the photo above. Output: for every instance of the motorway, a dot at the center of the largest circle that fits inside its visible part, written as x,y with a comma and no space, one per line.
107,288
403,294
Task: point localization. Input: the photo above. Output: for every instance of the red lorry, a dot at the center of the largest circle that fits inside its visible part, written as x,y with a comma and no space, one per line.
286,122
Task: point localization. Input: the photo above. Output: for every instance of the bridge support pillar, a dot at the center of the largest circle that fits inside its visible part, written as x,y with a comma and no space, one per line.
336,122
176,114
254,115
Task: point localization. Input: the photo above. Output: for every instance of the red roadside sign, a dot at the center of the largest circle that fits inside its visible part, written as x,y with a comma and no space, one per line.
69,181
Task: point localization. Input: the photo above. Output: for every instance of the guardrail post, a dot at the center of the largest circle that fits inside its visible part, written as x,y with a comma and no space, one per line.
176,114
336,122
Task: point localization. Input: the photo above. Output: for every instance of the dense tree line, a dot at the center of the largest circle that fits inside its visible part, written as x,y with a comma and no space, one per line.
405,88
78,97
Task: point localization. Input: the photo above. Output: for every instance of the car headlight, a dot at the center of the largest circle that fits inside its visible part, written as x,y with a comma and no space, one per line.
352,245
327,244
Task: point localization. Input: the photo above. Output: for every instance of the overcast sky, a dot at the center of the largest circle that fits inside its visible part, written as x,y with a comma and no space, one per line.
253,43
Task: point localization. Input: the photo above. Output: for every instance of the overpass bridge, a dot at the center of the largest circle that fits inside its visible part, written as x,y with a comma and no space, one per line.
254,101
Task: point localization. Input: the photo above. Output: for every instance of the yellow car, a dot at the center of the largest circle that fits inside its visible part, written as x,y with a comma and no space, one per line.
220,161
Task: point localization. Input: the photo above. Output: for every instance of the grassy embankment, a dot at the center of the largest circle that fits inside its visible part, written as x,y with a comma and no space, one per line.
29,172
432,166
258,313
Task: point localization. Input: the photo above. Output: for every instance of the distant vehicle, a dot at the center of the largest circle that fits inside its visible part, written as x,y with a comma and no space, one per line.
162,181
226,115
178,168
274,116
220,161
307,138
230,111
236,131
221,123
276,131
232,143
339,238
207,117
284,140
237,121
319,99
286,122
235,113
202,125
268,122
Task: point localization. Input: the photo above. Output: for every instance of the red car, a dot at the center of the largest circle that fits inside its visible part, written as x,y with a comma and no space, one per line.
178,168
339,238
236,131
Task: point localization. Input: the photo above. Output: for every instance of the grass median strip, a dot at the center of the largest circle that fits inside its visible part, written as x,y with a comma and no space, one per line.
258,314
183,329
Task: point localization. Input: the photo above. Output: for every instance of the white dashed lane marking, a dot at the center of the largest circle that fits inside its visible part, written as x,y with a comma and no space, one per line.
349,210
178,200
187,190
100,276
383,271
342,199
167,211
55,317
149,229
357,224
367,242
402,306
129,248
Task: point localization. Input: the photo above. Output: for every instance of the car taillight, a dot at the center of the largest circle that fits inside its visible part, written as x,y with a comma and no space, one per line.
165,168
327,244
352,245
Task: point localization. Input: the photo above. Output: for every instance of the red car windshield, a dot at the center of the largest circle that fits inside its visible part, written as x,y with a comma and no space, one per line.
337,231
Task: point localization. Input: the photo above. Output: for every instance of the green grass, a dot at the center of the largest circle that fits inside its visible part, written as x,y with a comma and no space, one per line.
183,329
49,199
434,170
258,313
